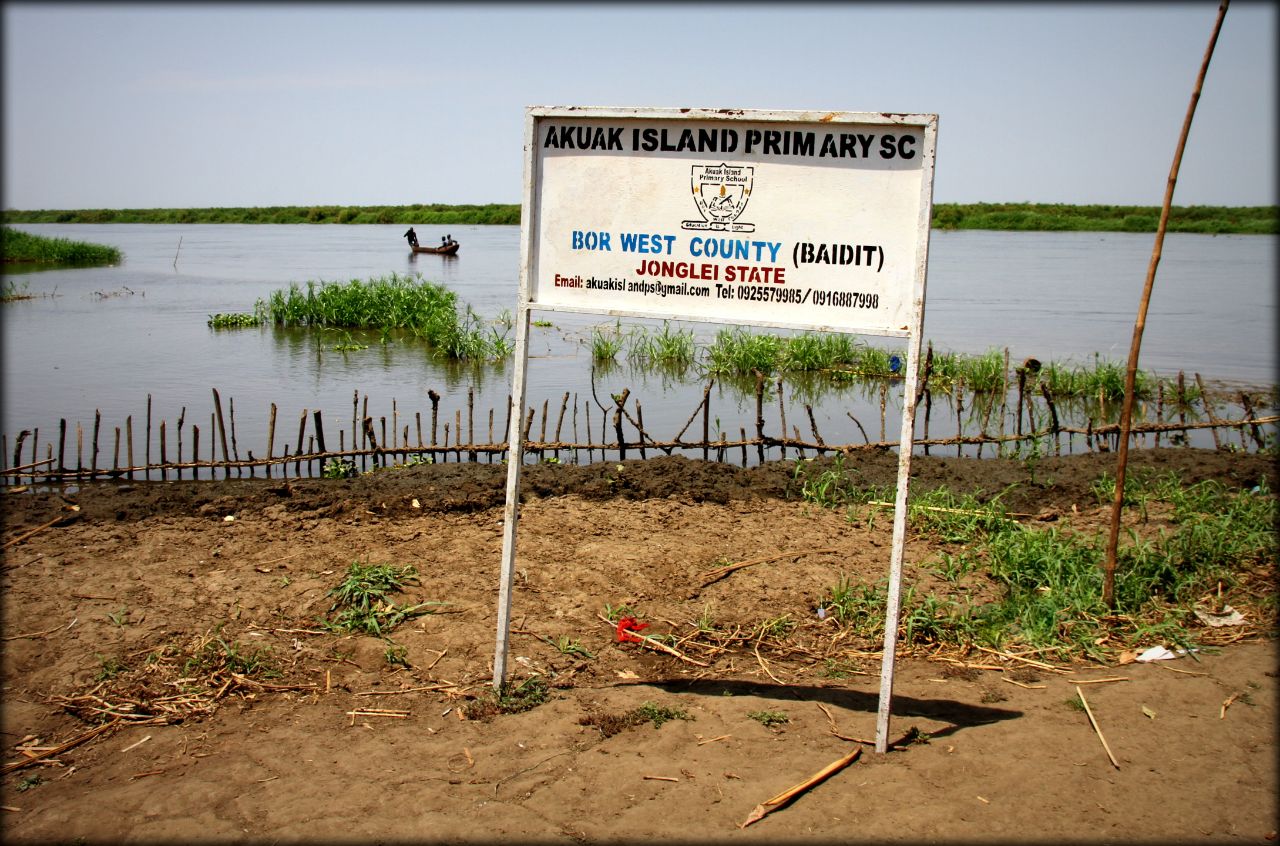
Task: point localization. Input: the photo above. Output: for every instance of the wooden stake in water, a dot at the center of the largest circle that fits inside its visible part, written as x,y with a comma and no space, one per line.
271,438
181,416
97,425
222,434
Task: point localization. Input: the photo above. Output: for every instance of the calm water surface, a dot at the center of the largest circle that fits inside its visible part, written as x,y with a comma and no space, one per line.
106,338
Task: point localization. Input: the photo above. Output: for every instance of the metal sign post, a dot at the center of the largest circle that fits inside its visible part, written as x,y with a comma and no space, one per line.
815,221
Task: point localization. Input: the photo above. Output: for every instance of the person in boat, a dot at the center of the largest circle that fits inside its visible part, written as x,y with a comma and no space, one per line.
448,241
412,236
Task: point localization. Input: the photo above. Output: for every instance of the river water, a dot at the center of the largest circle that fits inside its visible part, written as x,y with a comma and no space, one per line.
104,339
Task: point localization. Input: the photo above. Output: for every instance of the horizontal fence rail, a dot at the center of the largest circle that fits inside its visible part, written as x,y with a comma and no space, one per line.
615,431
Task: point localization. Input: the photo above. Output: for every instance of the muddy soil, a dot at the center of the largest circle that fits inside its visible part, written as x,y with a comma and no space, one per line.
143,607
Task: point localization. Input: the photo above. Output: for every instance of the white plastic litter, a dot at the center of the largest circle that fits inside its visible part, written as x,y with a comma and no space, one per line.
1160,653
1228,617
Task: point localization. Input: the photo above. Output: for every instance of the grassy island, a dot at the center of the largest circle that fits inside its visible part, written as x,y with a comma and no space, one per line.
1209,220
24,248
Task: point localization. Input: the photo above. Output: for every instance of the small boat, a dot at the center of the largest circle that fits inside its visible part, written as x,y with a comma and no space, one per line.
447,250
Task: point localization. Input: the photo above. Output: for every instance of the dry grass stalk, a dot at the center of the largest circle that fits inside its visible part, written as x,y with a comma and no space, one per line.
1021,684
781,800
712,576
1008,655
63,747
43,633
1093,722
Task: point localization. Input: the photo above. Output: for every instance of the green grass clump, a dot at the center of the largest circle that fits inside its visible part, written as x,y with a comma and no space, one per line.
362,604
1103,381
214,654
509,699
739,352
833,486
606,343
668,346
23,247
393,303
659,714
769,719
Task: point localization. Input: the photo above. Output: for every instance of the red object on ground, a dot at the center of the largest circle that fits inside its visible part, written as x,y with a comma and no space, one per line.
627,625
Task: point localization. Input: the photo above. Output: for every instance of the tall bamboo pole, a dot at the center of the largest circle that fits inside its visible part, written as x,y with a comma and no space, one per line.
1130,378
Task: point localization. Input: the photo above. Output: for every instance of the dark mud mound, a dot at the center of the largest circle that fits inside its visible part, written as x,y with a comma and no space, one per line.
1022,484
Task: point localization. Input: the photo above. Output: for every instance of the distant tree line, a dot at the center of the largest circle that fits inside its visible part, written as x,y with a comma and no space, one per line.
1210,220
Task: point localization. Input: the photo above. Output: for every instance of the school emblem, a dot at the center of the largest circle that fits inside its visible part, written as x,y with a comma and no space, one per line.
721,193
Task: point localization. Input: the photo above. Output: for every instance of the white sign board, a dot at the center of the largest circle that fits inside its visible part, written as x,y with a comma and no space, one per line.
803,220
769,219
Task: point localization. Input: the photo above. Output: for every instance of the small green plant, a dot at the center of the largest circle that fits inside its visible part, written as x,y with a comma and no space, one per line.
362,603
861,607
706,623
565,646
397,655
339,468
215,653
606,343
110,668
613,614
119,618
29,782
1075,703
542,323
778,627
510,699
769,719
659,714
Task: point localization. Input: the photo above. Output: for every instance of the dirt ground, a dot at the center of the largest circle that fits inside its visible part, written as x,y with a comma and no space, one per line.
354,738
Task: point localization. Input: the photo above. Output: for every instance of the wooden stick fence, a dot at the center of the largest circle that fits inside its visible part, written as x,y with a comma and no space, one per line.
371,443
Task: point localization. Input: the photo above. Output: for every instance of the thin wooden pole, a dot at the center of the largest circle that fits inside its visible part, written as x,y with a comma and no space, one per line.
62,443
782,416
181,416
319,431
302,428
1208,409
471,426
271,436
97,426
1131,374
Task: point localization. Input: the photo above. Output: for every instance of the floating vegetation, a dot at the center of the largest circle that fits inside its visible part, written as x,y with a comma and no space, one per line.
239,320
409,304
23,247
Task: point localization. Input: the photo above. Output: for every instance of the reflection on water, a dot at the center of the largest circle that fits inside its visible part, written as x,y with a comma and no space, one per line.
71,351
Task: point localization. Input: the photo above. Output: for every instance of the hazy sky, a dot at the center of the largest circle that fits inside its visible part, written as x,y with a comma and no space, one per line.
120,106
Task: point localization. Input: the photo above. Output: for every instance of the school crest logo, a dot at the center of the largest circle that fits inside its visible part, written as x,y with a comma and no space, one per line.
721,193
